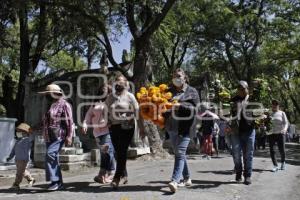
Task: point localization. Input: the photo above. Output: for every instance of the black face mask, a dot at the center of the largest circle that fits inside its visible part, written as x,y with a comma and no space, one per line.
52,97
119,88
49,97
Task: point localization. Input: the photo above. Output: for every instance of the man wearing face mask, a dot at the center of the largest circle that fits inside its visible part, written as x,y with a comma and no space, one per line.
243,137
179,121
57,130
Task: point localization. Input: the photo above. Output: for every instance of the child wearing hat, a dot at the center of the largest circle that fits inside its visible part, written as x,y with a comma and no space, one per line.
21,152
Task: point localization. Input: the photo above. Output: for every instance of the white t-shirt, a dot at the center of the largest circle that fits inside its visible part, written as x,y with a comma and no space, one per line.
279,122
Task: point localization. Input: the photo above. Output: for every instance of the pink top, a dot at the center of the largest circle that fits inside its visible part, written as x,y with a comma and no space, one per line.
96,119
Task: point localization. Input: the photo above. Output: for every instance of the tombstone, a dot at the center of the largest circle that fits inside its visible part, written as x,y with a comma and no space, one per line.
39,151
7,140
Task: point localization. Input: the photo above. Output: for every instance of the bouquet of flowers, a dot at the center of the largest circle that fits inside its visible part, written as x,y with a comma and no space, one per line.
154,101
224,95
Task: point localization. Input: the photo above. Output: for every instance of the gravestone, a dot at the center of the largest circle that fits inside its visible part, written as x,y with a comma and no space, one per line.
7,139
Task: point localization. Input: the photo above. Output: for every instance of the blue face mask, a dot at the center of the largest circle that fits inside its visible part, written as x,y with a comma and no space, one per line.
178,82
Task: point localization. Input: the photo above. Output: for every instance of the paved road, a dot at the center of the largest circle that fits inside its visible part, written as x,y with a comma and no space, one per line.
213,180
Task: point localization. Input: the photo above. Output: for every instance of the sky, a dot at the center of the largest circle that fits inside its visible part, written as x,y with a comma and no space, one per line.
117,47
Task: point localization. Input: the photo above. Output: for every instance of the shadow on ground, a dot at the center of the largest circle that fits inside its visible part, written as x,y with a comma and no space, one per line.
90,187
292,153
199,184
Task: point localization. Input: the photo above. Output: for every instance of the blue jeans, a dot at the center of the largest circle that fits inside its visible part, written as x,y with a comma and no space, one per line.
243,145
53,171
180,144
107,158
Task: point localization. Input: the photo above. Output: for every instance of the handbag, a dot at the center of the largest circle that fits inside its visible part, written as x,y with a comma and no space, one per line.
54,133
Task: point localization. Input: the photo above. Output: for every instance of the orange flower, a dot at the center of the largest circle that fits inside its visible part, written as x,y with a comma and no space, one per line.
161,103
163,87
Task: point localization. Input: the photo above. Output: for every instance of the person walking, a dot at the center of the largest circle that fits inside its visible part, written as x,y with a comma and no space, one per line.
58,130
95,118
179,120
21,152
222,125
207,130
123,112
215,138
279,126
243,136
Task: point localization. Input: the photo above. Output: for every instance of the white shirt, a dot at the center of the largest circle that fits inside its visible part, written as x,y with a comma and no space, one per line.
279,122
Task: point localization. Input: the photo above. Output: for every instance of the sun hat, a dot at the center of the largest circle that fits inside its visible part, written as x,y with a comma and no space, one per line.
52,88
24,127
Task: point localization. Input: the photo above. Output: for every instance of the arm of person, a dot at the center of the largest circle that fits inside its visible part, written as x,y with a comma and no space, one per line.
108,102
87,120
69,123
137,115
12,153
285,123
189,104
217,128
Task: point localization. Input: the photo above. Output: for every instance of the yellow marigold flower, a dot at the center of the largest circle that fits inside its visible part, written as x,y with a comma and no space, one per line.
163,87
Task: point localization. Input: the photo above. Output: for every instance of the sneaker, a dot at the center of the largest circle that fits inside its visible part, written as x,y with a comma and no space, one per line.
188,182
181,184
283,166
173,186
55,186
247,181
185,183
31,182
98,179
115,183
208,158
275,169
238,178
15,187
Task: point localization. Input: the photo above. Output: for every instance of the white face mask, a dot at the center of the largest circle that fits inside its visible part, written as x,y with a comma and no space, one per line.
178,82
19,134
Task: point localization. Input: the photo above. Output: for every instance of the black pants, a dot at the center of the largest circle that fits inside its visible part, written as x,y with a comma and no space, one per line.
222,143
280,140
121,139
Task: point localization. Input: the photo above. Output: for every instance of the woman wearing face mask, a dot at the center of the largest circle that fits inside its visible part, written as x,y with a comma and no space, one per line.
123,112
178,123
279,126
58,130
95,118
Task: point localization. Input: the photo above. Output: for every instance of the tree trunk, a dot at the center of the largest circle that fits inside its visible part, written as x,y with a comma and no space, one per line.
140,69
24,60
297,106
141,74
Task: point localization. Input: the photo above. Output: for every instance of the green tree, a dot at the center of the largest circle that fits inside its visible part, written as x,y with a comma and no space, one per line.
143,18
